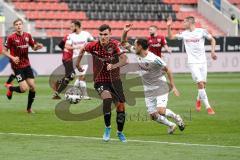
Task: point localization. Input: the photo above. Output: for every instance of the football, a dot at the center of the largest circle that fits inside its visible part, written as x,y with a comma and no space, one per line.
73,95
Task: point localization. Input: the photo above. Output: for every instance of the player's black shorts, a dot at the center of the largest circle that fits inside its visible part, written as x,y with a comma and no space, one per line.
69,70
114,87
23,73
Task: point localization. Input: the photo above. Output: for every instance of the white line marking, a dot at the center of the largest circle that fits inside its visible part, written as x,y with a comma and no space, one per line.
132,140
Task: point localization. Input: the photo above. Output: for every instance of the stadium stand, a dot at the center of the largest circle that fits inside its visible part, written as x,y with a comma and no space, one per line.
235,2
54,16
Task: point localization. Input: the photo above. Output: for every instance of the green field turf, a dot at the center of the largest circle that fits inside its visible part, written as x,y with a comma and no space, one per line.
206,137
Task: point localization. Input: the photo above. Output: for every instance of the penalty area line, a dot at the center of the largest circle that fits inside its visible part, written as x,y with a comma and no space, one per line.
129,140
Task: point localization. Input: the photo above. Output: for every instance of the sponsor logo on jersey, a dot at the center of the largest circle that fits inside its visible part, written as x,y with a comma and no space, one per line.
193,40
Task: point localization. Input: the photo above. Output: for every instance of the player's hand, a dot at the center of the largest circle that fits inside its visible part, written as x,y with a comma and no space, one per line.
169,21
16,60
175,91
214,56
169,50
39,46
110,67
128,27
80,69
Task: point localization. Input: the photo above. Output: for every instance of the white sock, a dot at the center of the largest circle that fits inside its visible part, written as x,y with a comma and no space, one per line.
83,87
164,120
170,113
77,83
198,96
203,97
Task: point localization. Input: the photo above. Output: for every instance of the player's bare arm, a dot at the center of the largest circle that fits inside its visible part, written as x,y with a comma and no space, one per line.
37,46
14,59
79,58
124,40
169,24
70,47
169,50
122,62
213,45
171,81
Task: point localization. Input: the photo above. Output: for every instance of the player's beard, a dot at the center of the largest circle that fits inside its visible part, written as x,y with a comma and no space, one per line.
152,34
138,53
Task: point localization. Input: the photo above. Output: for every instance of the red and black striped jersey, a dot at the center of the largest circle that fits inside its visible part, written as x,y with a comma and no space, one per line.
156,44
66,54
102,55
18,46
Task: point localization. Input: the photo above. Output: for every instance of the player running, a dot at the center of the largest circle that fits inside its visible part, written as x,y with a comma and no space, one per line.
156,42
18,43
107,60
75,42
152,69
194,39
67,61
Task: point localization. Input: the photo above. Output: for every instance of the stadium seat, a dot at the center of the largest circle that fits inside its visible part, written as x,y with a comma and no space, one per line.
56,15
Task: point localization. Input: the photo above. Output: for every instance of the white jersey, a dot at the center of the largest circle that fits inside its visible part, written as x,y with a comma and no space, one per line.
152,75
194,44
80,40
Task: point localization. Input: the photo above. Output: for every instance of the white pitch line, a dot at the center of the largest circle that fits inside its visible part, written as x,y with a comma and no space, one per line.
129,140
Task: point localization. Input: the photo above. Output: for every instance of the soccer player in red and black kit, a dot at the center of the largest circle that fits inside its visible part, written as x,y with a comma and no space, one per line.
67,61
156,42
107,60
18,43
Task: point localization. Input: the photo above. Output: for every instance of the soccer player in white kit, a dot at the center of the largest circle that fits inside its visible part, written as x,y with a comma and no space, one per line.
75,42
194,39
152,69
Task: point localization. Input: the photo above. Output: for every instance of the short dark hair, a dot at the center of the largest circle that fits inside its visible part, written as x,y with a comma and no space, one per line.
104,27
153,26
143,42
77,23
17,20
190,18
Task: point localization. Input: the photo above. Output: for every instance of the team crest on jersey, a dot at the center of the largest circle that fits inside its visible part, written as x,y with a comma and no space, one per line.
110,50
16,40
26,39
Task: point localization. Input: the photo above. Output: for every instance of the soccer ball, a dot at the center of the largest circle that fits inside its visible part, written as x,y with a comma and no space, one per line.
73,95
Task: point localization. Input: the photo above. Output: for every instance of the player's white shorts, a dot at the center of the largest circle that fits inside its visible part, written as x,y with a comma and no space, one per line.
84,67
199,72
152,103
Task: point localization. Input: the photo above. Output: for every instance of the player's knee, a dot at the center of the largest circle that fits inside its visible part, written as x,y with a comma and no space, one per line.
153,116
81,78
24,88
32,88
161,110
200,85
120,107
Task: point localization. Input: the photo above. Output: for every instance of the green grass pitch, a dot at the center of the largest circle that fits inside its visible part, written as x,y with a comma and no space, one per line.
45,136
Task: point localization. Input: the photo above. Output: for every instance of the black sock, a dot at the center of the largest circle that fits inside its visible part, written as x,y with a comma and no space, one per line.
120,120
107,111
31,96
62,85
10,78
15,89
